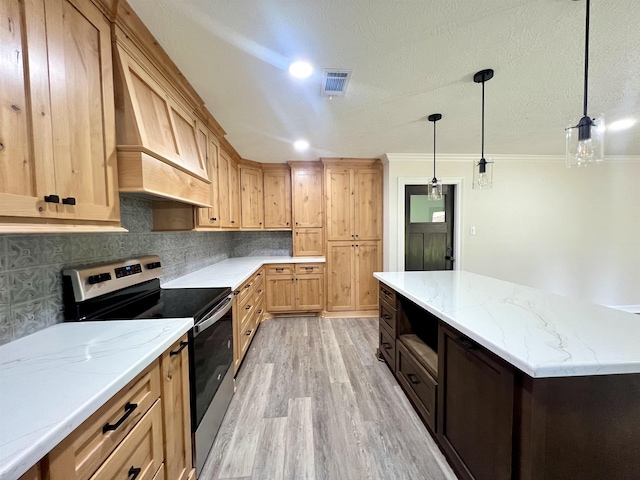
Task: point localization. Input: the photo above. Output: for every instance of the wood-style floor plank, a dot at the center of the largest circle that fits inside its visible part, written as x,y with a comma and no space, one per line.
313,402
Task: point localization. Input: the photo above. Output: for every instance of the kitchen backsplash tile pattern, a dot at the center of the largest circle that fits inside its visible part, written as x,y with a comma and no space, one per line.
31,265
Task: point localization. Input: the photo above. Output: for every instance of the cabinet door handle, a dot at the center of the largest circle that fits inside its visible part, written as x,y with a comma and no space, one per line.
133,473
386,345
232,221
249,332
260,223
128,410
177,352
468,343
413,379
248,307
69,201
52,198
213,219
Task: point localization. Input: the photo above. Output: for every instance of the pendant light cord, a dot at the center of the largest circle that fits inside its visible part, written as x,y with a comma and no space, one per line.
586,59
434,150
482,157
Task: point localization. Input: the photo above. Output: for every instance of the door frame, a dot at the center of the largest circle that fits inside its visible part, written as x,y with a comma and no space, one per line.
457,213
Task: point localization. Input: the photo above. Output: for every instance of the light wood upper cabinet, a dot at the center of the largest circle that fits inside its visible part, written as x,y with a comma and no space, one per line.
224,165
277,198
210,217
251,197
307,196
354,201
234,194
57,112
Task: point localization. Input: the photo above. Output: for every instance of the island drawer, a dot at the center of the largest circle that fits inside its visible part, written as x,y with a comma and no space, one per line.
387,347
388,294
140,455
419,386
81,453
388,318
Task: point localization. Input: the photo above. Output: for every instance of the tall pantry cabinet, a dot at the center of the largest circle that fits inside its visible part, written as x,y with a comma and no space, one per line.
57,142
307,206
354,233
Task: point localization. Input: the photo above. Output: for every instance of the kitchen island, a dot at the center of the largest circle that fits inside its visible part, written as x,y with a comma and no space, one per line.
514,382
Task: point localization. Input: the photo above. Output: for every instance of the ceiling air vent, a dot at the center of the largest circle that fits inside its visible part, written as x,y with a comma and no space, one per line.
335,82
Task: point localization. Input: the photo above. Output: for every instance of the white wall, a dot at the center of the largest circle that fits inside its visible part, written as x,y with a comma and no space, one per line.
574,232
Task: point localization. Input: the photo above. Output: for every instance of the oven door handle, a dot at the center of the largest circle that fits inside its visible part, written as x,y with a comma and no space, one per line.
214,316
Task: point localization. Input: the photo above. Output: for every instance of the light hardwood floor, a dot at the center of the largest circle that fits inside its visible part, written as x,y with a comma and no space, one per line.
313,402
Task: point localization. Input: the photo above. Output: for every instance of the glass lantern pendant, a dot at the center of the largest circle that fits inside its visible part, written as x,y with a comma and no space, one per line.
585,140
435,187
483,168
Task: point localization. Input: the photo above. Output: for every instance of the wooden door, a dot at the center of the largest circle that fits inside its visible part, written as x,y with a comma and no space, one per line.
82,107
280,293
428,229
224,167
307,197
310,292
368,204
251,197
26,155
339,182
475,407
308,242
176,409
368,260
210,217
234,195
340,271
277,199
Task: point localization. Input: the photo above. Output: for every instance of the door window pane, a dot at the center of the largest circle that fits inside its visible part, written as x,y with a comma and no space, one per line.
424,210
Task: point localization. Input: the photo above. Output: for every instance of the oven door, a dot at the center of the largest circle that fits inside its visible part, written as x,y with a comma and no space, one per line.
211,376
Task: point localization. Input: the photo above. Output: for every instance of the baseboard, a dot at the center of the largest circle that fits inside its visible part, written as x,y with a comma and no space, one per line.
627,308
351,314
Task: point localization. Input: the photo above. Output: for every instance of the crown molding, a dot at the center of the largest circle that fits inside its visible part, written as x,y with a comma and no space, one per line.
501,157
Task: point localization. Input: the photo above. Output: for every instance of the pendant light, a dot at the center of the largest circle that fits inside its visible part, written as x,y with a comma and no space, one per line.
435,188
585,141
483,169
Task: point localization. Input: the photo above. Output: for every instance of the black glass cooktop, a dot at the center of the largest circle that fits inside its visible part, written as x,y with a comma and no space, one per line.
145,302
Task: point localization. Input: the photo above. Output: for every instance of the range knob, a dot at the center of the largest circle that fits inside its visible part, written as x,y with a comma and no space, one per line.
99,278
152,265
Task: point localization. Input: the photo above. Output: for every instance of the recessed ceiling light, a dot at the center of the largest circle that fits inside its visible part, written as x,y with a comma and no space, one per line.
621,124
301,145
300,69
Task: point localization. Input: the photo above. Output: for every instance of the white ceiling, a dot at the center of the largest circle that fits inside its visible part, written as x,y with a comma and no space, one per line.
409,58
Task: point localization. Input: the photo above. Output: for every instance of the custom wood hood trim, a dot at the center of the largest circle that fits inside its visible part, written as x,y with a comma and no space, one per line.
151,153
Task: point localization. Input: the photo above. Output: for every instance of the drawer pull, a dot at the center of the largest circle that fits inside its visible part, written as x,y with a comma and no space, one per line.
259,291
133,473
248,285
386,292
413,379
177,352
386,316
128,410
308,268
386,345
249,332
279,269
248,307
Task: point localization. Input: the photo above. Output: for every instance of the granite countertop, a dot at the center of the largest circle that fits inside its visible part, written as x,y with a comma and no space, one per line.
232,272
540,333
53,380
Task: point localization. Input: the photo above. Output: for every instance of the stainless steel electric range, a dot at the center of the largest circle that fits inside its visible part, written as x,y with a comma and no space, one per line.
130,289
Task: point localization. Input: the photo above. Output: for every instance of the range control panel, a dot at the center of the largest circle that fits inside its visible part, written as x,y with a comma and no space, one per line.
93,281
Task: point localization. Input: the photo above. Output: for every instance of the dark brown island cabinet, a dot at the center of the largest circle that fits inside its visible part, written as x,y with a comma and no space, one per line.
494,422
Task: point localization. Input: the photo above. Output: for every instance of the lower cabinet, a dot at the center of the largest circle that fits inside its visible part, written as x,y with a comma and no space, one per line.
248,312
295,288
143,432
351,285
475,407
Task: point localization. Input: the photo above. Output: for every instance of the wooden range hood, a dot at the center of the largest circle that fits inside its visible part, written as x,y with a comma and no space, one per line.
158,154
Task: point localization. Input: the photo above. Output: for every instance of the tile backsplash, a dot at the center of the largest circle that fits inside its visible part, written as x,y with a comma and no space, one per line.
31,265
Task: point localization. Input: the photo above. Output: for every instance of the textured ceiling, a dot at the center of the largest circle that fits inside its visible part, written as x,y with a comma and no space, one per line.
409,58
